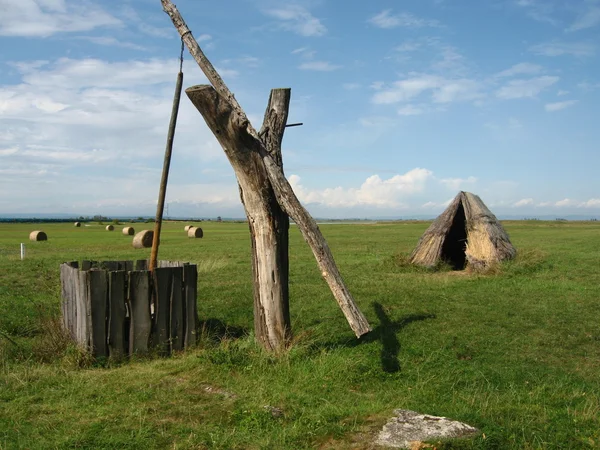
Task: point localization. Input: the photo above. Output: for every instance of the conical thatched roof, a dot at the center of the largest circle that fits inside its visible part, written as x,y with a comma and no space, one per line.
465,233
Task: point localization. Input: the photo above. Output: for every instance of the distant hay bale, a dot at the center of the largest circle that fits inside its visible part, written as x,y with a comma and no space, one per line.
128,231
187,227
143,239
38,236
195,232
465,234
109,228
77,224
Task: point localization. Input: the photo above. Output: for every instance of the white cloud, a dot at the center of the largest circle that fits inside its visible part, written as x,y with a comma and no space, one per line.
592,203
525,88
524,202
385,19
58,129
589,19
297,19
521,69
558,48
42,18
319,66
351,86
112,42
436,205
411,110
561,93
442,90
551,107
539,10
566,202
374,191
457,183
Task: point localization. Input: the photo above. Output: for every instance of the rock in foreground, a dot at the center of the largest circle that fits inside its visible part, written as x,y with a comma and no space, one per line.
410,426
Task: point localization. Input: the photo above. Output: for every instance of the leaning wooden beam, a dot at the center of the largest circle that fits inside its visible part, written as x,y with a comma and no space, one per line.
239,145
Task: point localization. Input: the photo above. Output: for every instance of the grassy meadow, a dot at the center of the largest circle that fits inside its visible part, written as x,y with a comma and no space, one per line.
515,353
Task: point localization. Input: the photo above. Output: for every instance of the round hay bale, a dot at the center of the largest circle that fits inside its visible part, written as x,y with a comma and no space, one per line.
128,231
109,228
77,224
38,236
143,239
187,227
195,232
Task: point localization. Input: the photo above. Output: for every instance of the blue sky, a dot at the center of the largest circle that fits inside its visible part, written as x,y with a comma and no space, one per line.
404,103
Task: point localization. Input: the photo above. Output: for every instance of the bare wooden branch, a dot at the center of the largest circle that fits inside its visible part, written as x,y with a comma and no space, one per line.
241,147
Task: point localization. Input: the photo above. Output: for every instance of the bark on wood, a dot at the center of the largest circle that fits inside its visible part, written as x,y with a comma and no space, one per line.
139,301
250,159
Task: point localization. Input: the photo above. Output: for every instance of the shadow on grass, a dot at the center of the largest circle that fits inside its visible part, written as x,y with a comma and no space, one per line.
387,332
216,330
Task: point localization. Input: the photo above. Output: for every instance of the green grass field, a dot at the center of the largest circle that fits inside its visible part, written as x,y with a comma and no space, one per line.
515,353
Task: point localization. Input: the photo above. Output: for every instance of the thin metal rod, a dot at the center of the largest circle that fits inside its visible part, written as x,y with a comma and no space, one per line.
165,173
294,124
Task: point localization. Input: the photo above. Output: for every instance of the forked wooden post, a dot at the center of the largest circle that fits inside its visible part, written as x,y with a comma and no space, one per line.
259,173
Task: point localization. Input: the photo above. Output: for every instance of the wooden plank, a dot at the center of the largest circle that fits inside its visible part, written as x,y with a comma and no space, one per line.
127,265
72,309
110,265
99,304
74,264
162,277
139,302
86,265
84,318
177,305
141,264
116,322
65,294
190,278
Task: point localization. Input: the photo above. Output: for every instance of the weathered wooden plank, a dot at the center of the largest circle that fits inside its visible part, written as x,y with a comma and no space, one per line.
128,266
73,280
190,278
84,314
65,292
139,302
110,265
141,264
177,305
162,277
86,265
116,322
98,303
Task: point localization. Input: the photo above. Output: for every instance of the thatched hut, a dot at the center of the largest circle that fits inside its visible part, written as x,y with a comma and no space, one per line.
38,235
466,233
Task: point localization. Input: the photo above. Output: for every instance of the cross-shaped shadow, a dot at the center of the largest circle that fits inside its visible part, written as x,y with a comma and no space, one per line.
387,332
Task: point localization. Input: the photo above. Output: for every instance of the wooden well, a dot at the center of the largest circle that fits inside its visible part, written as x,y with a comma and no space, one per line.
119,308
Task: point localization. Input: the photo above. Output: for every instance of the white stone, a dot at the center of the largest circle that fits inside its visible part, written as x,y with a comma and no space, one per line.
410,426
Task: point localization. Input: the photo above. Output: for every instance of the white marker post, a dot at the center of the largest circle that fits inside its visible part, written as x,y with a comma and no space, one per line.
22,251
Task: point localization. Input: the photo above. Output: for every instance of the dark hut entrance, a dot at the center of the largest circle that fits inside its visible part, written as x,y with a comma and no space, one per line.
455,244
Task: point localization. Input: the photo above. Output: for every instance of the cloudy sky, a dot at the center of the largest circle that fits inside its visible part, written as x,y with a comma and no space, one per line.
404,103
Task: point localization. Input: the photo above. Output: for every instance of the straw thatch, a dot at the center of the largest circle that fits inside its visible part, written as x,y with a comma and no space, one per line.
128,231
195,232
466,233
187,227
77,224
109,228
38,236
143,239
